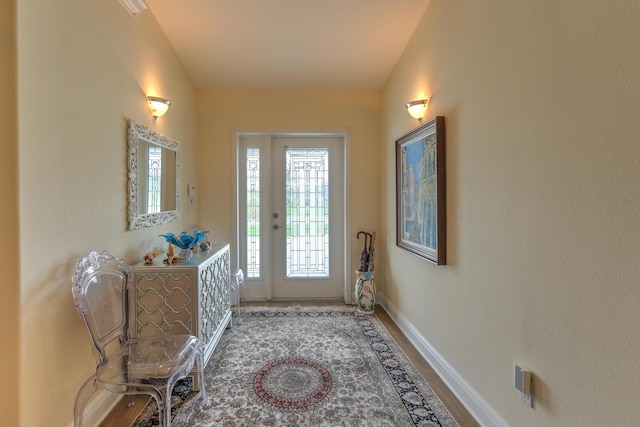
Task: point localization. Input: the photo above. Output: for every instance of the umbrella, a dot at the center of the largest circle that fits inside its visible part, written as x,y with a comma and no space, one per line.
371,251
365,255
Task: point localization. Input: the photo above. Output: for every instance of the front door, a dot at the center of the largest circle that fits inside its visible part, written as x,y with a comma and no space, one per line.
291,215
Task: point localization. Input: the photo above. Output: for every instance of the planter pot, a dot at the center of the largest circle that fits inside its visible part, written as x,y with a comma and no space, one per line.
365,291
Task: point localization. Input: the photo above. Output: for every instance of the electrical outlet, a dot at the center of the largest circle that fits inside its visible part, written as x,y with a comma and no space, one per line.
526,398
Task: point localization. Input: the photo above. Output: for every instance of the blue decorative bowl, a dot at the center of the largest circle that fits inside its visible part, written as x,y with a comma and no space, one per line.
185,240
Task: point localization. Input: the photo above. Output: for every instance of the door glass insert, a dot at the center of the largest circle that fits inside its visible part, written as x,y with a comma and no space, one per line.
307,212
253,212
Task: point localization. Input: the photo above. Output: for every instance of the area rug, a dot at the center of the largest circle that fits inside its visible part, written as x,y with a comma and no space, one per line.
309,366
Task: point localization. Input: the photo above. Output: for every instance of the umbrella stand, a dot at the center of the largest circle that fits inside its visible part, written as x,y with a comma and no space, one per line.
365,289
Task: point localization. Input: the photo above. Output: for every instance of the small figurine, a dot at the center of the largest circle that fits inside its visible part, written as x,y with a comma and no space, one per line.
149,256
170,256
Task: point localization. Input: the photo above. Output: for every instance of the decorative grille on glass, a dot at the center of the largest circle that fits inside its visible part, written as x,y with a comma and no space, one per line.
253,212
307,212
154,193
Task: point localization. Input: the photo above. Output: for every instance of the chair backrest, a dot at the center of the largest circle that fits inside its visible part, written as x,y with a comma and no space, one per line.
100,296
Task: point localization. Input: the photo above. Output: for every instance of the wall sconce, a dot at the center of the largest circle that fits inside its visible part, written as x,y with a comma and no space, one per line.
158,106
417,108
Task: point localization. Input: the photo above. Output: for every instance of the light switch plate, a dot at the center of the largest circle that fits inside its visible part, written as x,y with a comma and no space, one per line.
523,380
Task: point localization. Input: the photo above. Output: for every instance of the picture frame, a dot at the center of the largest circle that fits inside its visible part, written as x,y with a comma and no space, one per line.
421,191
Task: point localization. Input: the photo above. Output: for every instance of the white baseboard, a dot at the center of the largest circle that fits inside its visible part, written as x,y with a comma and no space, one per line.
479,409
98,408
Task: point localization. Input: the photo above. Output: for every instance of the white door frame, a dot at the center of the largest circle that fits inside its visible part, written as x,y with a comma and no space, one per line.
257,294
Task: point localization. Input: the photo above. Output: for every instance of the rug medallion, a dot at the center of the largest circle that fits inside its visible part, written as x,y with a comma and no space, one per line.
292,383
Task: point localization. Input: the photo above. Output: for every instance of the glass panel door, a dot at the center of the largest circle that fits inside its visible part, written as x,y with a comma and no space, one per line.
307,217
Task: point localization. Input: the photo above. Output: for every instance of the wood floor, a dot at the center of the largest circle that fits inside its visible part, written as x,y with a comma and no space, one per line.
123,415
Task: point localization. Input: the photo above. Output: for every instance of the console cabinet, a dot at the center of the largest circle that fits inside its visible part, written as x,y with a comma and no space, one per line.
190,297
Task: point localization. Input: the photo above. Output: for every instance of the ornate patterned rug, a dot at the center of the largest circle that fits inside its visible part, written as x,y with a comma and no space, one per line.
312,367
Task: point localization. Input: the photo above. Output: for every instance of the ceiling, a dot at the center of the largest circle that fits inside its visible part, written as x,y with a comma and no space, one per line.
284,45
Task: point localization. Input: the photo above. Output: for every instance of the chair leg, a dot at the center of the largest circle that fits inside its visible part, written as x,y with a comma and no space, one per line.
162,404
167,407
82,397
203,388
238,305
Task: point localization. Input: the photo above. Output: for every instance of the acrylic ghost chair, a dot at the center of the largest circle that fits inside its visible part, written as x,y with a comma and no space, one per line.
237,286
127,366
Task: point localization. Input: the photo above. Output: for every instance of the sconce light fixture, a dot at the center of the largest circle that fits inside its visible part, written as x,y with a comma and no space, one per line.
417,108
158,106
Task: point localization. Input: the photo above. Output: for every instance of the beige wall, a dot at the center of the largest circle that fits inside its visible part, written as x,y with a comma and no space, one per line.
541,100
84,69
222,113
541,103
9,223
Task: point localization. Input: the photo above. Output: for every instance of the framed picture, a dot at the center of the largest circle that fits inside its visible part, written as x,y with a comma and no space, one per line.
420,191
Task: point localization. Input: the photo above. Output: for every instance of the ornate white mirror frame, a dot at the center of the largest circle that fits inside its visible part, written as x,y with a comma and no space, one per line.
141,136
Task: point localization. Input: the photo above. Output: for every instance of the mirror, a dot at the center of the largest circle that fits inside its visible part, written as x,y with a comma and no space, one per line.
154,171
